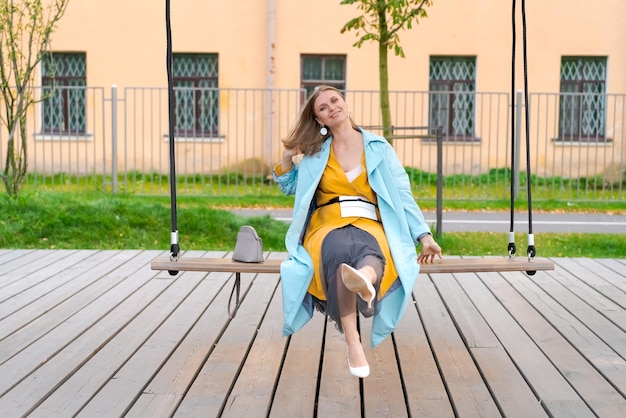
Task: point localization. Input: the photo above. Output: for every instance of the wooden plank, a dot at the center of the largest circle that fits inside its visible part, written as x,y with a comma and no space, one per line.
595,280
383,395
597,393
43,297
253,390
511,392
215,264
296,391
128,363
209,391
448,265
40,276
14,263
585,311
577,283
168,387
616,265
11,260
50,361
339,392
616,278
424,386
76,337
469,394
555,393
24,267
69,312
552,301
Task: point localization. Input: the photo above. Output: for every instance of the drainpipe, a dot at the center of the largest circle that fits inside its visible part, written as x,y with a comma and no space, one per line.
271,40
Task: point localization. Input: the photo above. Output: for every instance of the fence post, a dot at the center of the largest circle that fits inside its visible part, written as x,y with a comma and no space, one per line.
114,137
438,230
518,135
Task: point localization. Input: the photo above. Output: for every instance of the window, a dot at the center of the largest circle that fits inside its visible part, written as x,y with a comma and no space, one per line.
582,103
64,81
452,97
195,79
323,69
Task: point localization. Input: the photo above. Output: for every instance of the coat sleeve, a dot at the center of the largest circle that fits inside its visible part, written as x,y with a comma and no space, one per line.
415,218
287,181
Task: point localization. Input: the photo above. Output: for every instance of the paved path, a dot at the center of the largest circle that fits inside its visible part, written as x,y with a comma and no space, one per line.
472,221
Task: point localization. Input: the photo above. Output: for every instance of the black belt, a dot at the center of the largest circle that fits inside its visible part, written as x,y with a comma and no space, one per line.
337,200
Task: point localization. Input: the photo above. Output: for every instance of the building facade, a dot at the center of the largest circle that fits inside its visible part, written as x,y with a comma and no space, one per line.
241,69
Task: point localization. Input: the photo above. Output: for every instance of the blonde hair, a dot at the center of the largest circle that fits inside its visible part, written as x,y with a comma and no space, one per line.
305,136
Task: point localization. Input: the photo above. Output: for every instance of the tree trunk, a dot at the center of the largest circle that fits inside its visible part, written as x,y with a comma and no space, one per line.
383,72
16,162
385,108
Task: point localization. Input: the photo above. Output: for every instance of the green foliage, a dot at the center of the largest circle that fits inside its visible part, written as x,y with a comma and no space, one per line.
69,220
382,20
503,176
59,220
25,29
459,190
546,244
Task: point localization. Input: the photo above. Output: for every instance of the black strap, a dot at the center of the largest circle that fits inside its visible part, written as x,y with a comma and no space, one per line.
511,247
235,291
531,248
174,249
531,251
338,199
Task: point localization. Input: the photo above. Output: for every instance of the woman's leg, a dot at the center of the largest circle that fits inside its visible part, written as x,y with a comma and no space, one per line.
370,267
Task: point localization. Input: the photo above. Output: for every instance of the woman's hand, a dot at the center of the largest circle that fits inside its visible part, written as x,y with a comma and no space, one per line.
430,250
287,159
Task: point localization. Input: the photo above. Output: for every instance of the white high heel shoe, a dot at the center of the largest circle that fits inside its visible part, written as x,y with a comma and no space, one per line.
356,282
362,371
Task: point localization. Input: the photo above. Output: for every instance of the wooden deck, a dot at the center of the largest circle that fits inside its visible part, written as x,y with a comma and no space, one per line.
100,334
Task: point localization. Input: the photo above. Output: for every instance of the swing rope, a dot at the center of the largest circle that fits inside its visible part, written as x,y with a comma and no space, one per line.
511,247
531,250
175,248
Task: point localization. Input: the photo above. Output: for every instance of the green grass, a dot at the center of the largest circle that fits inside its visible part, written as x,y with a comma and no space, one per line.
62,220
493,186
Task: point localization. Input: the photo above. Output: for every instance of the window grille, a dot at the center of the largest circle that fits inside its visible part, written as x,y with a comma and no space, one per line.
64,81
452,97
582,104
323,69
195,79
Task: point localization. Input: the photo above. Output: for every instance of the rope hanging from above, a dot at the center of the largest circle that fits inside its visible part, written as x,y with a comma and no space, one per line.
531,250
174,248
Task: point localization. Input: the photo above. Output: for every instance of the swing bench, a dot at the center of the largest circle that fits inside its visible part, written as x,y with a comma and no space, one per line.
529,264
272,266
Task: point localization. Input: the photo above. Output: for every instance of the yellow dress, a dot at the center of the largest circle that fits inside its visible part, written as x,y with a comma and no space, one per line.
335,183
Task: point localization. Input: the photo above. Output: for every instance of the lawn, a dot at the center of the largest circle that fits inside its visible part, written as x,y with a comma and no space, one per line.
55,220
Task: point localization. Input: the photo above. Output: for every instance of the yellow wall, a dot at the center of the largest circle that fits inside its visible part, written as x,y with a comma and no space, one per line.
125,44
125,40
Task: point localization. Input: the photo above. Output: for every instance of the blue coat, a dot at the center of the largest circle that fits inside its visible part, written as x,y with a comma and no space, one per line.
401,217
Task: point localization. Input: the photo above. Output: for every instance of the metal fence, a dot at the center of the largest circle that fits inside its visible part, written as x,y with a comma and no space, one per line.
121,144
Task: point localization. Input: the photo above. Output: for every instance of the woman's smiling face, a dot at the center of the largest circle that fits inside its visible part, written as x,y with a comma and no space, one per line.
330,108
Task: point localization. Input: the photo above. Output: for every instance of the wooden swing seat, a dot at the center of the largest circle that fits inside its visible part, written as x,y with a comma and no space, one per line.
452,265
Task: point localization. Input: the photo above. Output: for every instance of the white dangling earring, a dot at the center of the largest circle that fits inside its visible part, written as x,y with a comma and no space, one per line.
323,130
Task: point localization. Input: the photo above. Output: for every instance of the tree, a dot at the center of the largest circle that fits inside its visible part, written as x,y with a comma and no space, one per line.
381,22
25,29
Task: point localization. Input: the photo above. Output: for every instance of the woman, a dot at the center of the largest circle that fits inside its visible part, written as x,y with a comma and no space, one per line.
355,226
